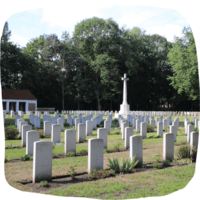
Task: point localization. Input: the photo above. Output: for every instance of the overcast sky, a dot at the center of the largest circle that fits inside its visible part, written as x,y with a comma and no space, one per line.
32,23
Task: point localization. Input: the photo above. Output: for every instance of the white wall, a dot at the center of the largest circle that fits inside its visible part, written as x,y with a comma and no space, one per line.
17,104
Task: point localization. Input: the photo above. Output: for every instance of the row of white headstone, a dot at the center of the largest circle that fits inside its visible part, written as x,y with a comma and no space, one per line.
42,152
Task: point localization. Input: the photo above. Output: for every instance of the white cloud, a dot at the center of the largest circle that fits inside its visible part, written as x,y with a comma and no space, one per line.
22,41
168,31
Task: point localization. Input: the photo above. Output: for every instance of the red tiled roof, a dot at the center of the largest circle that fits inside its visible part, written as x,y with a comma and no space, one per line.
17,94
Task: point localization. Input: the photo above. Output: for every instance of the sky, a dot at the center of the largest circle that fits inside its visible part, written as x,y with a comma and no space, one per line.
29,19
32,23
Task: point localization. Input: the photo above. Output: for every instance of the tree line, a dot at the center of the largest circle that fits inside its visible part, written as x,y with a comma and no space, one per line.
84,71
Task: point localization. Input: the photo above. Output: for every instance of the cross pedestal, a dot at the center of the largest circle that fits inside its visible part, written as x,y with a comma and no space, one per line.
124,107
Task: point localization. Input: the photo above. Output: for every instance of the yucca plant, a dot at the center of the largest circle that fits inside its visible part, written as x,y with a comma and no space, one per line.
127,166
114,165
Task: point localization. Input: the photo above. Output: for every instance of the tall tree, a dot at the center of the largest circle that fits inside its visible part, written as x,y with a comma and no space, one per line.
99,44
183,59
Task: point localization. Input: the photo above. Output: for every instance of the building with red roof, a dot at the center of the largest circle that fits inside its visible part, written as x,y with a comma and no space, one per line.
18,100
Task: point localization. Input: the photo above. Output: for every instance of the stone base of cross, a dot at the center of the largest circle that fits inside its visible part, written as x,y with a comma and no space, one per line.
124,107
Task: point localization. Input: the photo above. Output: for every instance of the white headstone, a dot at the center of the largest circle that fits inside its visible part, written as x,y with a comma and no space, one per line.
42,161
31,137
55,133
102,134
81,132
168,146
143,129
95,154
128,134
136,148
47,128
70,140
25,128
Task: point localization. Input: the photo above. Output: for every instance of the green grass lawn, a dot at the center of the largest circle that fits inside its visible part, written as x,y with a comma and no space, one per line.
157,182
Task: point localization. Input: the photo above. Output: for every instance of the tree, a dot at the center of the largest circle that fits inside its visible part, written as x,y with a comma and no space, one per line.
183,59
98,41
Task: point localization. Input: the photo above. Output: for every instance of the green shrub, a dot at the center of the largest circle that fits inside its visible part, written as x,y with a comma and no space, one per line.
196,129
149,128
66,125
157,165
114,165
125,166
117,133
11,133
102,173
128,165
25,158
117,146
192,123
44,184
83,152
10,146
157,136
71,154
115,123
184,152
156,157
165,163
72,173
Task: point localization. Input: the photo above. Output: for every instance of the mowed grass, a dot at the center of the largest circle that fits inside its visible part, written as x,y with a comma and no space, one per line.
128,186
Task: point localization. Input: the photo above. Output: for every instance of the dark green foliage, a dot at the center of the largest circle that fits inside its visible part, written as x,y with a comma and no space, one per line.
196,129
149,128
184,152
86,69
41,134
192,123
115,123
71,154
83,152
165,163
25,158
66,125
100,174
11,133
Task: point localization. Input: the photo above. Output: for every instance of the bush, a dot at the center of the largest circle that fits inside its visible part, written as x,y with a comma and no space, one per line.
10,146
11,133
114,165
115,123
41,134
184,152
83,152
117,146
192,123
66,125
157,165
102,173
149,128
72,173
126,166
196,129
165,163
71,154
44,184
25,158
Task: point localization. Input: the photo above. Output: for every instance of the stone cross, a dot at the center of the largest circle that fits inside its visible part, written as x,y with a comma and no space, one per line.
125,79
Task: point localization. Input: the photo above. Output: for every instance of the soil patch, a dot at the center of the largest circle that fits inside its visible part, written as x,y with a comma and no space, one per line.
59,181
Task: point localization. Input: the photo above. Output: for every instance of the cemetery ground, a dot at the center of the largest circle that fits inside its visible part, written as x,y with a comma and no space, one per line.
142,182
